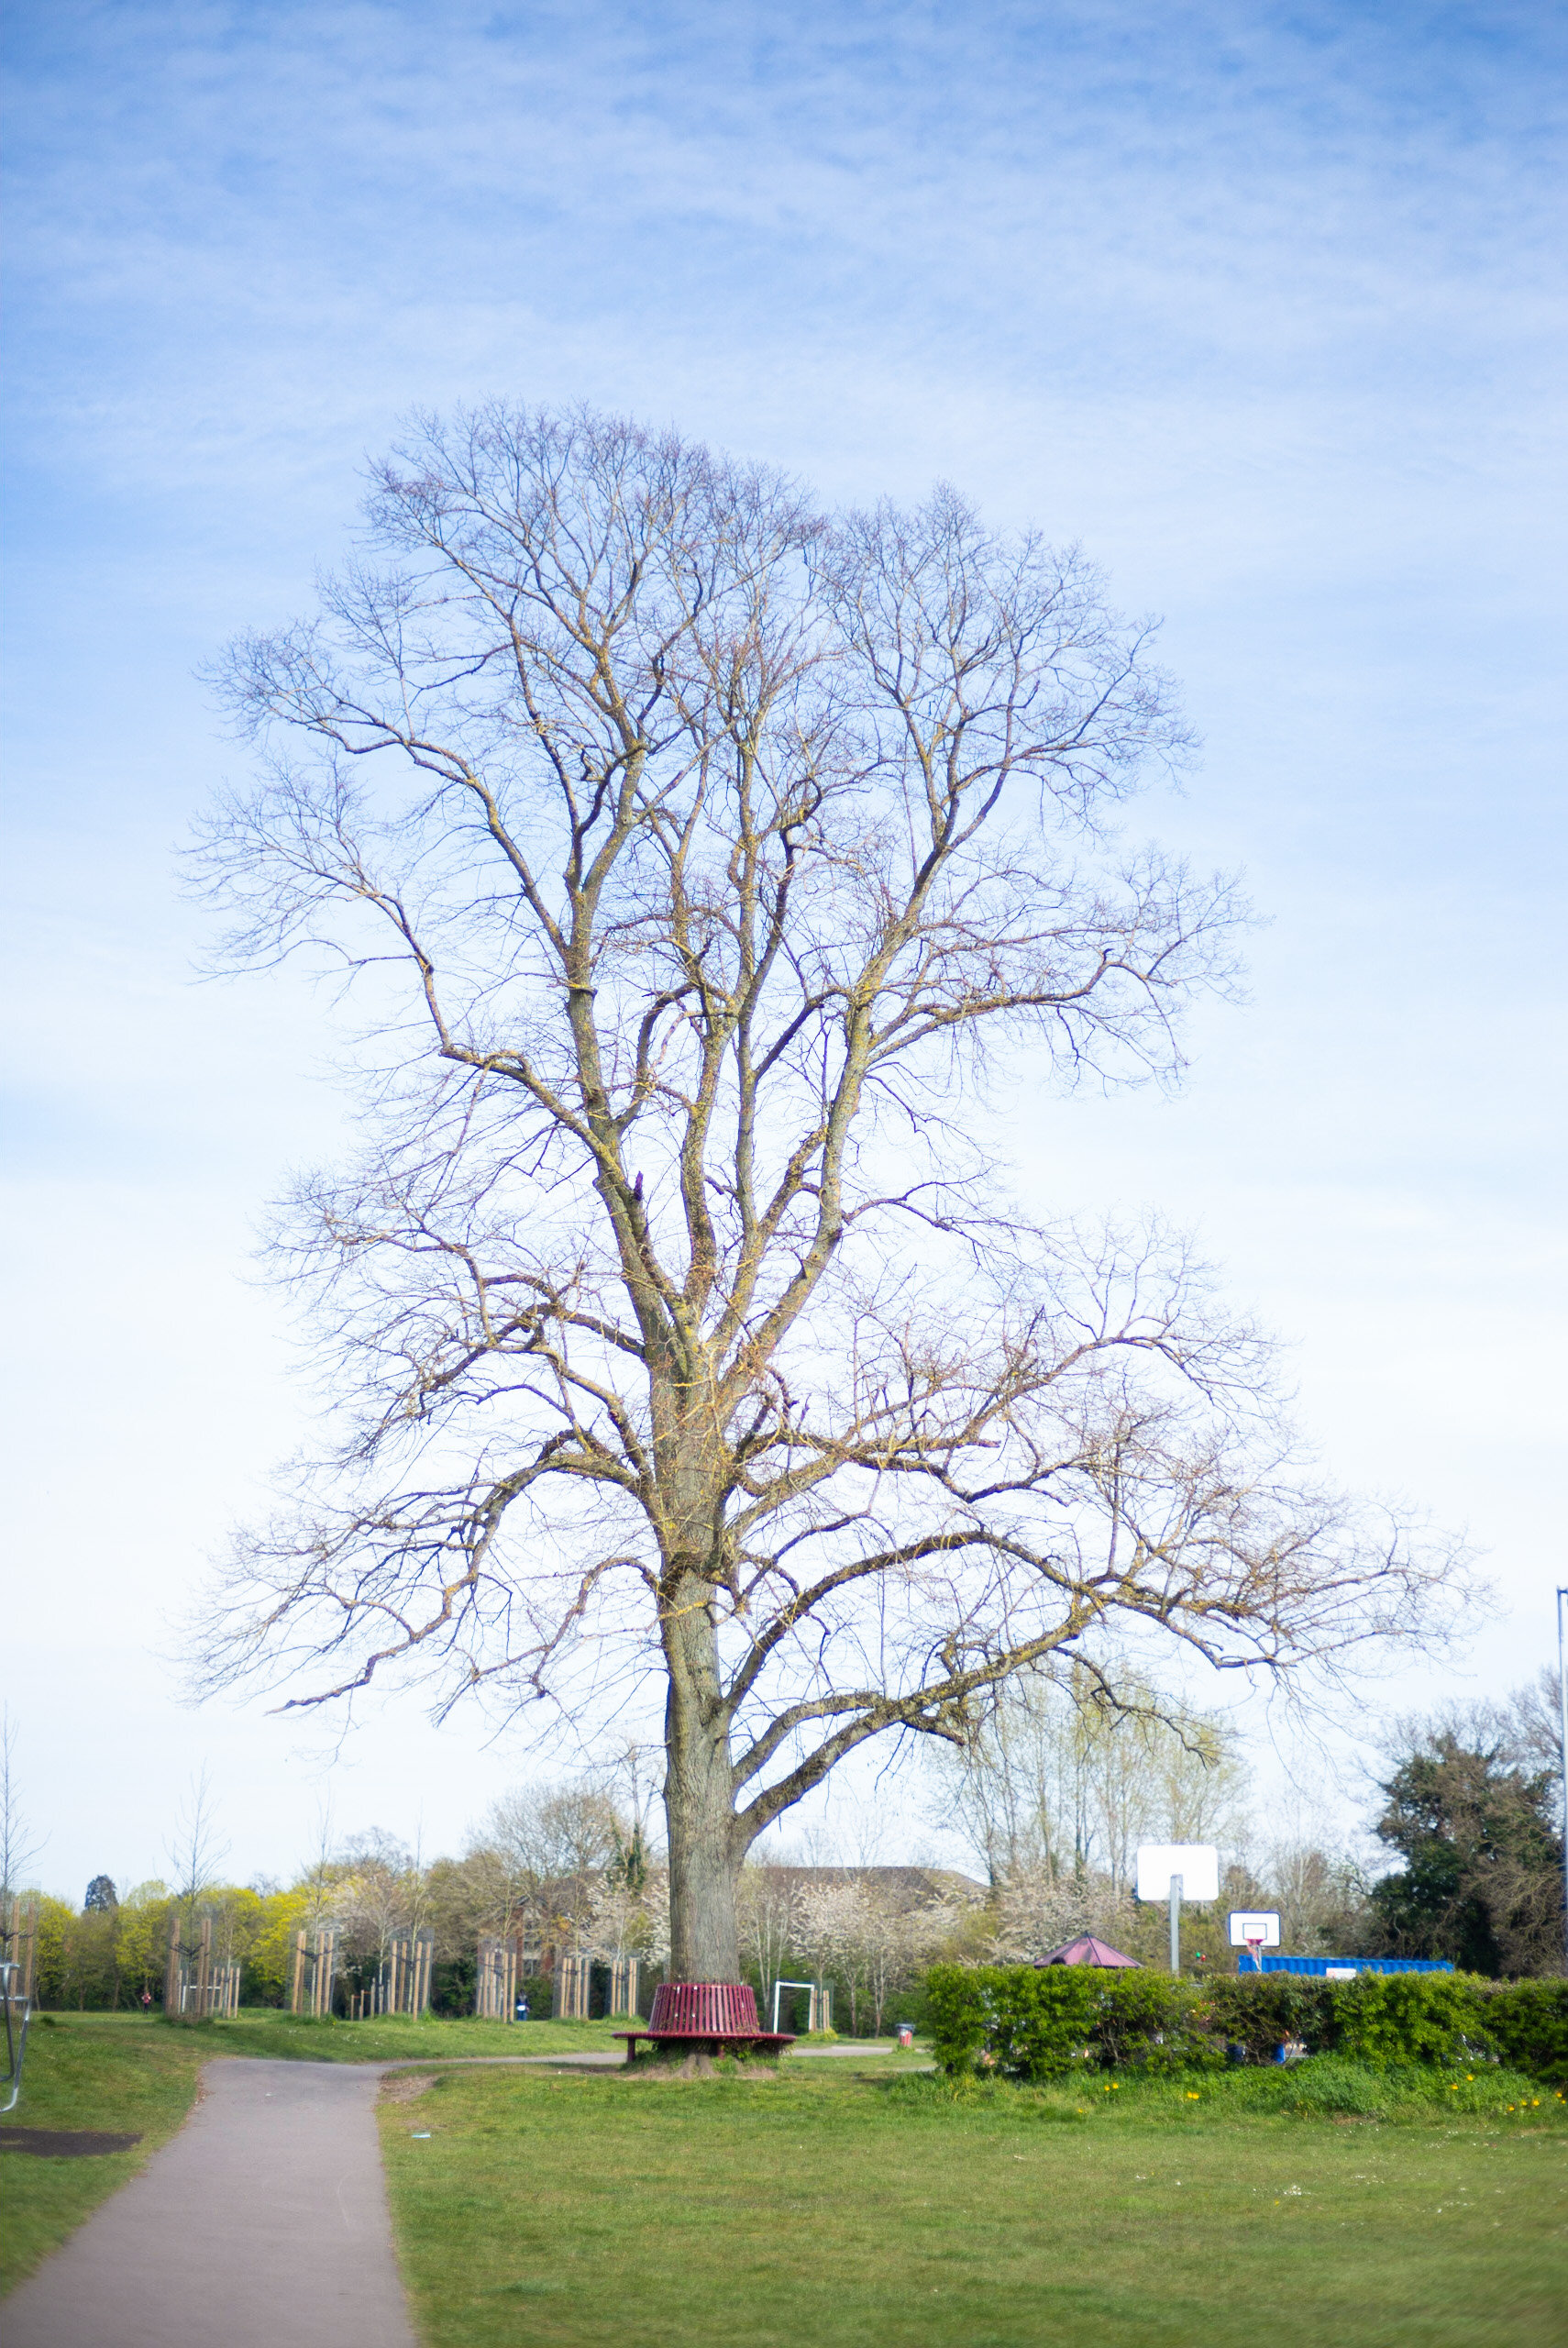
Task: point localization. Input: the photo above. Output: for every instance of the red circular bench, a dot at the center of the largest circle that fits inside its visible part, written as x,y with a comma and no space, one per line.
705,2018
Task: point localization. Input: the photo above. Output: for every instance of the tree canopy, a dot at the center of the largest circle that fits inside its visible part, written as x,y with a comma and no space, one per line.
1482,1882
698,855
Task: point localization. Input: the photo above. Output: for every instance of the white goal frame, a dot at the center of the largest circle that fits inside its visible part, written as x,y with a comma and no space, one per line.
813,1994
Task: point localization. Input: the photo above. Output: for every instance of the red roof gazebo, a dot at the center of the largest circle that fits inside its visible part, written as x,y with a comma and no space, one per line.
1087,1950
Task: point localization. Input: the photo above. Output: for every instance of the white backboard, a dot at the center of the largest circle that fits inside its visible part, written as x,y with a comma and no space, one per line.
1197,1864
1254,1925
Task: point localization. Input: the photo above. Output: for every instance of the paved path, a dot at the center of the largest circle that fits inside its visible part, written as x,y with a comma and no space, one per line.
598,2058
263,2224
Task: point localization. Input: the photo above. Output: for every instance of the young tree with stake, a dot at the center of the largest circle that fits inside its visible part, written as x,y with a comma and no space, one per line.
696,847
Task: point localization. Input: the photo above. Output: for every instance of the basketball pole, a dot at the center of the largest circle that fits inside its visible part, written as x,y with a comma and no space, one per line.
1175,1923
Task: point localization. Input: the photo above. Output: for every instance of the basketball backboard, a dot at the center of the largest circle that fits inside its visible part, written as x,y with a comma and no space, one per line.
1197,1864
1248,1924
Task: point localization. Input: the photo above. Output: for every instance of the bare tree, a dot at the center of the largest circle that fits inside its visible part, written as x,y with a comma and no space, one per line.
769,1915
377,1896
319,1880
1321,1897
554,1845
1059,1780
691,850
1532,1726
198,1848
18,1844
554,1831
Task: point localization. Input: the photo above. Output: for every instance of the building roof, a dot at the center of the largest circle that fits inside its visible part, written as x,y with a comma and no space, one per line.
915,1885
1087,1950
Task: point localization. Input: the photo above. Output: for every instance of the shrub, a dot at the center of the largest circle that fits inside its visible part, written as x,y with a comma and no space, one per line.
1034,2025
452,1983
1152,2020
1528,2020
955,2014
1042,2022
1387,2018
1030,2025
1260,2013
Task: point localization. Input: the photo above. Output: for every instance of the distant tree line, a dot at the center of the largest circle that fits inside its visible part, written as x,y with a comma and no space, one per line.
1059,1787
1055,1792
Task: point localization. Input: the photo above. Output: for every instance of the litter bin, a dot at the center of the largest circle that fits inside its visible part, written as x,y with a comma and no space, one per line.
905,2034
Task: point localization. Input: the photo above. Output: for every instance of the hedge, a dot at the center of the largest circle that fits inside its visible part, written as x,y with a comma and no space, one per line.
1038,2024
1528,2023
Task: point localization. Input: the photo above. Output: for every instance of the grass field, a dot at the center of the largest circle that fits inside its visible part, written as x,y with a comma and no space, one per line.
855,2201
840,2203
121,2074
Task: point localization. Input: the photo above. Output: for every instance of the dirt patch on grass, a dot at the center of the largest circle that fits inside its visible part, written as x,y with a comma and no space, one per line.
406,2086
65,2144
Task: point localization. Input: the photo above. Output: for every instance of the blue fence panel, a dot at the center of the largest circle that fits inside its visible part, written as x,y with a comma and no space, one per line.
1322,1964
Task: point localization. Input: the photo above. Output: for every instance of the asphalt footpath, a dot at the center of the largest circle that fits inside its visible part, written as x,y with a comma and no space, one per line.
263,2224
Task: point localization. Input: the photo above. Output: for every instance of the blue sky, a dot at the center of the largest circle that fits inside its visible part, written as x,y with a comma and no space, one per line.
1263,304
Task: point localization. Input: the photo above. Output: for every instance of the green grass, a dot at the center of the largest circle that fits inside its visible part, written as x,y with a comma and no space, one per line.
857,2201
847,2203
119,2073
112,2074
396,2038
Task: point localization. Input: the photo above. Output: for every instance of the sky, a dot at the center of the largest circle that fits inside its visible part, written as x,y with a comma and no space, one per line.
1263,304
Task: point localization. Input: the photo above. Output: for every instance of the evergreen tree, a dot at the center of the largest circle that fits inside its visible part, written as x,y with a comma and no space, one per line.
1482,1882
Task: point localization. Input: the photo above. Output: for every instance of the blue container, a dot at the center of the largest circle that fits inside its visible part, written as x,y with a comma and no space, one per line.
1322,1964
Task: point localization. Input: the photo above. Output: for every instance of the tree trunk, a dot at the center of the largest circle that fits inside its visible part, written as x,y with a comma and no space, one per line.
698,1797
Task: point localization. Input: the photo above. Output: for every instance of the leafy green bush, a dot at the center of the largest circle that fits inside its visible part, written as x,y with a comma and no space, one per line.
1387,2018
1150,2020
955,2015
452,1986
1528,2022
1034,2025
1025,2024
1043,2025
1260,2013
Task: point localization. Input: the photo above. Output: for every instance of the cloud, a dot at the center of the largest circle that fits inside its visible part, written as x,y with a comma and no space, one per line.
278,221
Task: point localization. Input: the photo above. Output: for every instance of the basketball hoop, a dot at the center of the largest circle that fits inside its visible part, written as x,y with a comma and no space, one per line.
1253,1930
